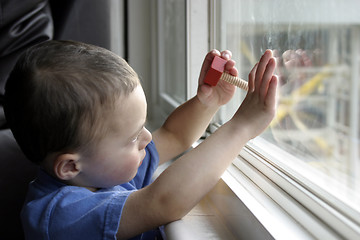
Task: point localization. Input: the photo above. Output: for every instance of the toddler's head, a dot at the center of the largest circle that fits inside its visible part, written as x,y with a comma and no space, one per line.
60,93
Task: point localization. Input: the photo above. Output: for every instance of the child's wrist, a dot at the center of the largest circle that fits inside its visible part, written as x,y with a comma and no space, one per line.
207,104
242,128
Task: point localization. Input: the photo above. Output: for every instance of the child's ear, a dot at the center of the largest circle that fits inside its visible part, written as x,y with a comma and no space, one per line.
66,166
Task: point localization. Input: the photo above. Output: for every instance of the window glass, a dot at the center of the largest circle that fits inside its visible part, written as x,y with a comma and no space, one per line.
315,134
172,49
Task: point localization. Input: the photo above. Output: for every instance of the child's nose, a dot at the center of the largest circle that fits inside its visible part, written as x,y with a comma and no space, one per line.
146,138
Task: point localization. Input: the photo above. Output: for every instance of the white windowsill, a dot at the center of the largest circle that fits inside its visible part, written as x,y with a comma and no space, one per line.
243,212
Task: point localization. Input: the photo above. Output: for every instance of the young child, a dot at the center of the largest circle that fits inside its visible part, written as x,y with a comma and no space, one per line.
79,112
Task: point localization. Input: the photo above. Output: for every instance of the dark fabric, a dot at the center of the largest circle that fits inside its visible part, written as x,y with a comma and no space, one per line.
85,21
60,13
3,124
23,23
16,173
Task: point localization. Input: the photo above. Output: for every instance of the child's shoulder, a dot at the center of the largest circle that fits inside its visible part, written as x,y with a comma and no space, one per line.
64,209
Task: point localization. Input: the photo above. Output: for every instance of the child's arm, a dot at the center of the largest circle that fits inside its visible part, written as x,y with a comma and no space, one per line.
181,186
186,124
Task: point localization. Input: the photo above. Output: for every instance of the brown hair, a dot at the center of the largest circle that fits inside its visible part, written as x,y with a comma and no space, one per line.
59,94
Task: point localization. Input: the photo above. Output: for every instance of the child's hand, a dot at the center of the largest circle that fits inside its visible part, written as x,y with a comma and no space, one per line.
259,106
223,91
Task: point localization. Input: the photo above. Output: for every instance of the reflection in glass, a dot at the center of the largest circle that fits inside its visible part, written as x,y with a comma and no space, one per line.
317,47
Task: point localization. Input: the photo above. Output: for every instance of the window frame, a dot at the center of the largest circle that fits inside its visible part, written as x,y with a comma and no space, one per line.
301,202
305,204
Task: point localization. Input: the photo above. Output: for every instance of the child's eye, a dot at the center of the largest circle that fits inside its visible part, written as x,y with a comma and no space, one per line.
137,137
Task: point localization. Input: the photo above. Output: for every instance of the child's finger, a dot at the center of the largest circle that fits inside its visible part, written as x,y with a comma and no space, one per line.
251,81
226,54
270,99
233,71
261,68
266,78
210,56
229,65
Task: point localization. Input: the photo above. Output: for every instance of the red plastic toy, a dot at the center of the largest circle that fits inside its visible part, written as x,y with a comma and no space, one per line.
216,72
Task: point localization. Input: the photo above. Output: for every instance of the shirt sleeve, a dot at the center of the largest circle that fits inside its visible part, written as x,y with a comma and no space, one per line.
77,213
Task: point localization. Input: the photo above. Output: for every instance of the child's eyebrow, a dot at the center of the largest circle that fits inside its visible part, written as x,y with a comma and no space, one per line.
142,126
145,122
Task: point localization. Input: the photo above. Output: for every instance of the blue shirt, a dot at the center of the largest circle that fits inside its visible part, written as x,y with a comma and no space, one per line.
54,210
